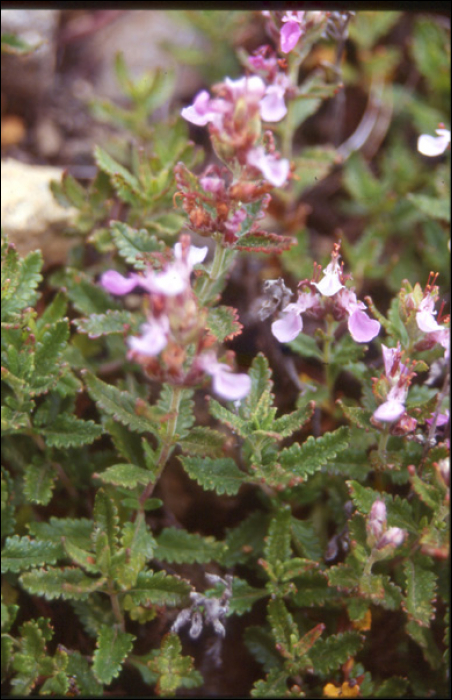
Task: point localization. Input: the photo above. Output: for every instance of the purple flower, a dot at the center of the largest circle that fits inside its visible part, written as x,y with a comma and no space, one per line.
434,145
393,537
115,283
290,324
377,519
226,384
203,110
275,170
331,283
362,328
427,323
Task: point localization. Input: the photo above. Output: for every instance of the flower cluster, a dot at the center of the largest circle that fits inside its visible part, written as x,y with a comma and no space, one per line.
421,318
393,386
293,25
174,324
379,536
235,118
320,297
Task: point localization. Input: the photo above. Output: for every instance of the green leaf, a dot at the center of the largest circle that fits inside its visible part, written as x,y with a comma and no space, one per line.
185,415
138,544
303,460
424,637
77,530
114,321
113,647
420,600
87,297
274,685
60,583
246,540
106,530
136,247
306,346
261,644
19,280
127,475
433,207
357,415
20,553
392,688
68,431
29,662
264,242
244,596
79,669
8,509
314,163
178,546
305,537
277,545
203,441
126,185
172,669
158,589
223,323
329,654
285,425
39,482
220,475
121,405
94,612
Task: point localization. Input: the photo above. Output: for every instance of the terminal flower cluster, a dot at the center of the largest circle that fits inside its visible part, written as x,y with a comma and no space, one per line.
235,118
174,324
320,297
418,309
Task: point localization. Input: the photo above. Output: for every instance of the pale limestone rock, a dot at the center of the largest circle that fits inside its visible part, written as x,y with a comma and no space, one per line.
31,218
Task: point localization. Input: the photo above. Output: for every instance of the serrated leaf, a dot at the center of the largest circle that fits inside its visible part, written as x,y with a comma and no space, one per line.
284,629
306,346
158,589
262,646
69,431
264,242
178,546
419,603
274,685
381,591
87,297
244,596
172,669
223,323
220,475
303,460
246,540
277,545
329,654
285,425
424,637
77,530
106,530
135,246
28,661
7,505
305,537
357,415
113,321
60,583
184,408
79,668
232,420
82,557
20,553
94,612
120,405
127,475
138,544
39,482
203,441
20,277
113,647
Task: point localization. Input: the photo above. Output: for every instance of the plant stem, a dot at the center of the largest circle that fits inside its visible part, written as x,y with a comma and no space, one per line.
220,265
166,446
115,605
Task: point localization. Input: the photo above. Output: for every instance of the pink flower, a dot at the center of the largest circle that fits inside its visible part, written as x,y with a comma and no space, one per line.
226,384
362,328
434,145
393,537
154,338
115,283
275,170
203,110
290,324
331,283
292,30
377,519
398,377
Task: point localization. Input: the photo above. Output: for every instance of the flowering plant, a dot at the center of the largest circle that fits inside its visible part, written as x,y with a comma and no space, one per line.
201,469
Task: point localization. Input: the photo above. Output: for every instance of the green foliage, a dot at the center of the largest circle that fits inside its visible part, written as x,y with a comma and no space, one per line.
112,647
179,546
220,475
172,669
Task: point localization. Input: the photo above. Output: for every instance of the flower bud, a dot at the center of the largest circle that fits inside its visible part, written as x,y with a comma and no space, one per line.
377,519
393,537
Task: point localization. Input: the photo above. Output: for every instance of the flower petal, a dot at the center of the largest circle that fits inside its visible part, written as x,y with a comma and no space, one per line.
433,145
389,411
229,385
115,283
362,328
288,327
273,169
152,341
289,35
